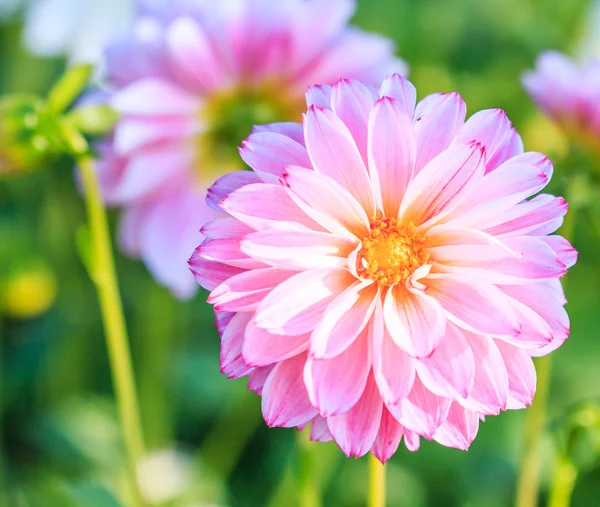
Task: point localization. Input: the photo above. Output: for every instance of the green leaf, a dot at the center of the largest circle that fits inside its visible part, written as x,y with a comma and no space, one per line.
95,120
69,87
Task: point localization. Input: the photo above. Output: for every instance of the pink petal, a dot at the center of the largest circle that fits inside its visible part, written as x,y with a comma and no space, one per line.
193,54
490,389
438,118
353,54
326,202
268,153
521,375
210,274
352,102
528,216
411,440
152,170
292,130
232,362
535,331
262,348
356,430
344,319
222,320
440,186
297,305
264,206
225,228
228,252
388,437
502,189
154,97
132,134
334,153
511,146
459,429
402,91
542,299
563,249
335,385
450,370
284,399
415,321
227,184
319,431
319,96
257,379
392,152
490,128
243,292
421,411
297,250
393,369
131,222
536,261
474,305
309,37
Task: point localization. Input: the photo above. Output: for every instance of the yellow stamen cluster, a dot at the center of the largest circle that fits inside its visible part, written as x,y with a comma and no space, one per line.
392,251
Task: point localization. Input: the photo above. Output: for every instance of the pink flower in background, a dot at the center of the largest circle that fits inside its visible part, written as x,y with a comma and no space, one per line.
190,81
569,93
384,272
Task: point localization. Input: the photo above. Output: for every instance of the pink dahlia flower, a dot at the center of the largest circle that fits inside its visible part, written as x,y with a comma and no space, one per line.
383,272
569,94
190,81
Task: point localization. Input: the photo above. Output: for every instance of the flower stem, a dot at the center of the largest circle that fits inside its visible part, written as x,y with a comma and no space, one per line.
529,478
308,487
376,483
563,483
104,277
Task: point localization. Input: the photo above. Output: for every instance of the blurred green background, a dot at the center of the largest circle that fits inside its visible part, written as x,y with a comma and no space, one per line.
60,441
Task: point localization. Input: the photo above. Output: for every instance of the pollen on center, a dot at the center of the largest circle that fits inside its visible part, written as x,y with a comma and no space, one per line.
391,252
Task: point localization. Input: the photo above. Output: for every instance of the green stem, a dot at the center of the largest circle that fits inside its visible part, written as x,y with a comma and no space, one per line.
308,486
376,483
105,278
529,479
563,483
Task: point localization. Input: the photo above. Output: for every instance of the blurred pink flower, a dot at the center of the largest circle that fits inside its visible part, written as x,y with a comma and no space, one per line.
382,272
190,81
569,94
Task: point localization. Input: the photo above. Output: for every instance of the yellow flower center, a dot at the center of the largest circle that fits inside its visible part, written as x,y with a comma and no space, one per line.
392,251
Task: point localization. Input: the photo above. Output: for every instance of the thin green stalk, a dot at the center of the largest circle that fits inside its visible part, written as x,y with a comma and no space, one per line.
308,484
528,485
103,274
376,483
529,479
563,483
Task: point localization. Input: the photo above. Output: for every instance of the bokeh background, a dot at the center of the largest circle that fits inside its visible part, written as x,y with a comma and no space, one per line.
60,441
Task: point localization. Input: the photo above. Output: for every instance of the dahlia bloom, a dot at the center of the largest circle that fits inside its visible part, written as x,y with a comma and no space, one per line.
190,81
569,94
383,273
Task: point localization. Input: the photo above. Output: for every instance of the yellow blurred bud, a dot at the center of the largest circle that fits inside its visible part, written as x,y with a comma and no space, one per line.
543,135
28,293
28,134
